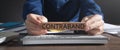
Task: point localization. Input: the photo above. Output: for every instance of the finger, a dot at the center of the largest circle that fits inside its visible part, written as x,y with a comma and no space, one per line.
96,31
33,29
33,18
37,33
44,19
29,25
93,18
33,26
92,21
96,24
84,19
43,32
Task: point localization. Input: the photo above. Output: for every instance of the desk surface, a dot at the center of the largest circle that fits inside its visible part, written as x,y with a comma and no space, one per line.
113,44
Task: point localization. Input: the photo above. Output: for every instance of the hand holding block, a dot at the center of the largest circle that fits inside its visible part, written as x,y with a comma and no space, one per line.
63,25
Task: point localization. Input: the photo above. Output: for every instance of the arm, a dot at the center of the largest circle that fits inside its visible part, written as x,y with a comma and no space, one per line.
32,15
32,6
89,7
92,17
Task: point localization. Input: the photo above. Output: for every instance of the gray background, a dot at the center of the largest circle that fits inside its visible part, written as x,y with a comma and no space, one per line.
11,10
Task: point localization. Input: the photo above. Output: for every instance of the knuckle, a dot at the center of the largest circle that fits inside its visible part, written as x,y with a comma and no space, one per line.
85,18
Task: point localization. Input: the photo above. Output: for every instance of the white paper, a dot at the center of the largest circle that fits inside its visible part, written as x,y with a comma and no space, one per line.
110,28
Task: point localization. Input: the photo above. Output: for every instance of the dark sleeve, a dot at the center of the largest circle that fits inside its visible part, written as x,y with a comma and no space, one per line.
32,6
89,7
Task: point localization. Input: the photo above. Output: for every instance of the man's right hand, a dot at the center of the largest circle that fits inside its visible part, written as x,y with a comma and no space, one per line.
32,24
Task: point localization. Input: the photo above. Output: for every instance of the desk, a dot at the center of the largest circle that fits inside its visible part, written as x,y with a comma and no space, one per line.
113,44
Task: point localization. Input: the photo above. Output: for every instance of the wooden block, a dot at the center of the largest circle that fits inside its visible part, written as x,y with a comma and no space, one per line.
63,25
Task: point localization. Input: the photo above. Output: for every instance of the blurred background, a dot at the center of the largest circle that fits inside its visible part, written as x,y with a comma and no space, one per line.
11,10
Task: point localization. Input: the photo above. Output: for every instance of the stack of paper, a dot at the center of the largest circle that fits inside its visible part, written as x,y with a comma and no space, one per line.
112,29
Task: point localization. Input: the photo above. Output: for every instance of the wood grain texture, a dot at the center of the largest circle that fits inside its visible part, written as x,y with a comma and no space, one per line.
63,25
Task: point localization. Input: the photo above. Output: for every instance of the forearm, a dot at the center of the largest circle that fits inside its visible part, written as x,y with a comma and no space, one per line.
32,6
89,7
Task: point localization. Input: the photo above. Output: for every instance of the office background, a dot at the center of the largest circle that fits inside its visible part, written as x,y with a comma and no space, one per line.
11,10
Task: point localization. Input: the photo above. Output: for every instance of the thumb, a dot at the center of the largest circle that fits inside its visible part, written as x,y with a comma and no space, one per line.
84,19
33,18
42,19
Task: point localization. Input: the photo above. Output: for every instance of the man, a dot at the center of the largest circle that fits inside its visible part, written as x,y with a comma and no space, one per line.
40,11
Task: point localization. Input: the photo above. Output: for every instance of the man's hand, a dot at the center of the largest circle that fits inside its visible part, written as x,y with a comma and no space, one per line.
94,24
32,23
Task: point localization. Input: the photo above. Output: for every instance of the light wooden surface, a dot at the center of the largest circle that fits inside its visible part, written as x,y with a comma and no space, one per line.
63,25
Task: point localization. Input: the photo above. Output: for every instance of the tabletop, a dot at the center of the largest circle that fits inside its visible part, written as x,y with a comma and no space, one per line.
113,44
